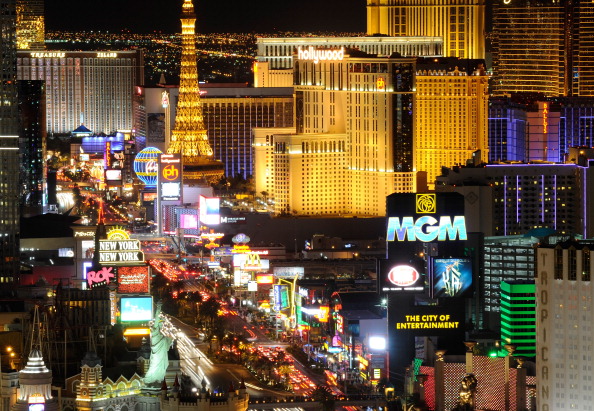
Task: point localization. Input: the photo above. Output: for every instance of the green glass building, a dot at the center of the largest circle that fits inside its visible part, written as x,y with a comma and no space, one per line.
518,316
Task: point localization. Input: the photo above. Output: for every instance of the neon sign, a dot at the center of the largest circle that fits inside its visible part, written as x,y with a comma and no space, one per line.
38,55
107,55
120,252
316,55
545,118
424,229
100,277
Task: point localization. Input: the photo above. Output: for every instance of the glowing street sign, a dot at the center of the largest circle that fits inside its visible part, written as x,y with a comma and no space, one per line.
316,55
425,229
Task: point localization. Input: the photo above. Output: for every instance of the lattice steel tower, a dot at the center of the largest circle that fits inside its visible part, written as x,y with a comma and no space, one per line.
189,136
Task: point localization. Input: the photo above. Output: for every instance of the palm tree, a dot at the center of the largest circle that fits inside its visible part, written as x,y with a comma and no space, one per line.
324,396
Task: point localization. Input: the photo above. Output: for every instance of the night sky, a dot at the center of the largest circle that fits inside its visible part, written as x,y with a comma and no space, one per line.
214,16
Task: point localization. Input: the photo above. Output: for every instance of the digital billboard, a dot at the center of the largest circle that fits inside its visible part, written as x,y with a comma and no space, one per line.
210,210
401,277
188,221
452,277
133,279
136,309
289,272
170,176
113,175
281,297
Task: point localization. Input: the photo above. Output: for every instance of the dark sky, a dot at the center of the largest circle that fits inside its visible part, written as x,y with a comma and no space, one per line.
214,16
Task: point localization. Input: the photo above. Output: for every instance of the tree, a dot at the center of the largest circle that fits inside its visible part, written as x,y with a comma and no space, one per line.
324,396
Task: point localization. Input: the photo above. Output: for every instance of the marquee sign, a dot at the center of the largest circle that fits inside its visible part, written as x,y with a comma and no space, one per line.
120,252
170,176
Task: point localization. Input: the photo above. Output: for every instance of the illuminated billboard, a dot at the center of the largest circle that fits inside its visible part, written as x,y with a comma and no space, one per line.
120,252
188,221
452,277
170,176
398,277
281,297
288,272
136,309
133,279
429,320
210,210
102,276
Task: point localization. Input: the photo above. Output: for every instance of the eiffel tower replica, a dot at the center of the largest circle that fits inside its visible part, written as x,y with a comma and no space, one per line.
189,136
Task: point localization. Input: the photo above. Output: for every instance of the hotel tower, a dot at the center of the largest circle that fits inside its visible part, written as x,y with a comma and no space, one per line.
189,136
461,23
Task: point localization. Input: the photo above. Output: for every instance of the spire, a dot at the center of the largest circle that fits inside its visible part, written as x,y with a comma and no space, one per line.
189,136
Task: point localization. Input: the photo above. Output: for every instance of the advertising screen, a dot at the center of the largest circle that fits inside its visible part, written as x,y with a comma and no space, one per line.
113,175
188,221
136,308
133,279
210,210
452,277
396,277
281,297
289,272
170,176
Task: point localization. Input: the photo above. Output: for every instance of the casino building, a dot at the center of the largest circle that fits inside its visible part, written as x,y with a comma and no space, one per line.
365,128
82,87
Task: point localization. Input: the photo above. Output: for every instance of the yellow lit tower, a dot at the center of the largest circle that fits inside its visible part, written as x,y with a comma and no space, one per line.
189,136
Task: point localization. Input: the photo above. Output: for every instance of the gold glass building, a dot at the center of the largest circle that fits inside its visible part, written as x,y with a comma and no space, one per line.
30,25
461,23
544,46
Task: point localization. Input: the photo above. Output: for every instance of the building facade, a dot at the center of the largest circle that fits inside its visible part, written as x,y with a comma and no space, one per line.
32,144
90,88
564,331
9,146
528,196
451,114
461,23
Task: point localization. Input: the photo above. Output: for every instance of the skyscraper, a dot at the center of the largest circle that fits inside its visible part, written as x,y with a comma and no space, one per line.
188,136
461,23
30,25
9,148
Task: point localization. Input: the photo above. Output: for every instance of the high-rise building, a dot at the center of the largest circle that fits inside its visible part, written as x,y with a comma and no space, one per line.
461,23
92,88
189,136
30,25
451,114
523,197
9,146
543,46
32,143
518,316
564,326
361,134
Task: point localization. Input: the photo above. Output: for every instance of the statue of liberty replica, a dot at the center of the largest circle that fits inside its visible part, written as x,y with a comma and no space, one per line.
159,360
